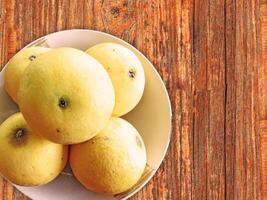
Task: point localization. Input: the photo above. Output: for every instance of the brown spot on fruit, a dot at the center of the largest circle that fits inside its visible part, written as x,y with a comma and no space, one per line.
20,133
62,103
32,57
92,142
138,142
58,131
19,137
132,73
106,138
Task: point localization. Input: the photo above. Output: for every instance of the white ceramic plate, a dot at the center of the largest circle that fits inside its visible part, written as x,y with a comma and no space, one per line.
152,118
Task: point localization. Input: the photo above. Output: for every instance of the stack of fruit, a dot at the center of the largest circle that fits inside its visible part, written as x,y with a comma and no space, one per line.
70,97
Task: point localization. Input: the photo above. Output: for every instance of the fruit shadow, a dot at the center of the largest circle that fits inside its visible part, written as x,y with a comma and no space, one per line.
7,105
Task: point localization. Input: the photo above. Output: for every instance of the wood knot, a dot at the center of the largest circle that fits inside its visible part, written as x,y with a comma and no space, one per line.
115,11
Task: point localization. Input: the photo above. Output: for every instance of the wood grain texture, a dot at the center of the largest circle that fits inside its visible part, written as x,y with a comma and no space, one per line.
263,95
209,54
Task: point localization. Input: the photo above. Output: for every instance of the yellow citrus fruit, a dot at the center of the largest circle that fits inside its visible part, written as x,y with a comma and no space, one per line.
27,159
16,67
66,96
126,72
113,161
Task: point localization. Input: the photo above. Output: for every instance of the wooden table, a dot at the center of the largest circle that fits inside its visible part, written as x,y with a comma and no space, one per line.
211,55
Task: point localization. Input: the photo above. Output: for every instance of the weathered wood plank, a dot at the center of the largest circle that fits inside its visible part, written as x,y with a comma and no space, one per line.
247,179
263,95
230,114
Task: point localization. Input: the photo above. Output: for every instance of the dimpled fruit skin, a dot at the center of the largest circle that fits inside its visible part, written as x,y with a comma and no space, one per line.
16,67
78,78
118,60
34,162
113,161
